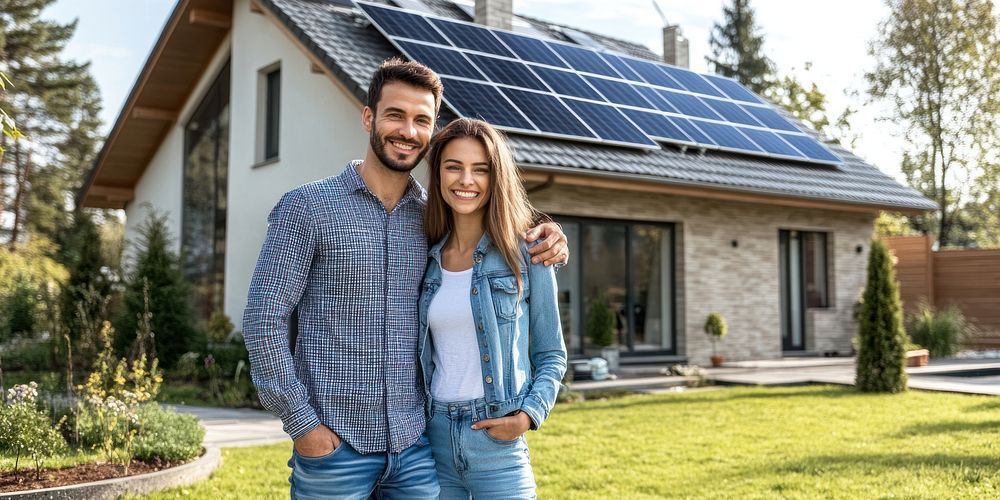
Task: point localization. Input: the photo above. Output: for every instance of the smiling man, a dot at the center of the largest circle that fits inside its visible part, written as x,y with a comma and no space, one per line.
349,252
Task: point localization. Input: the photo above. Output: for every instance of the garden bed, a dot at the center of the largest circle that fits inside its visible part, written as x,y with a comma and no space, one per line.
24,479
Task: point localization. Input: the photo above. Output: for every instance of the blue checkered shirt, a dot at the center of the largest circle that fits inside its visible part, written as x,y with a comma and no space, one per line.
354,271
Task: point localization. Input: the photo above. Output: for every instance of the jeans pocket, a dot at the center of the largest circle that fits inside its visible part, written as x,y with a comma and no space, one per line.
505,442
322,458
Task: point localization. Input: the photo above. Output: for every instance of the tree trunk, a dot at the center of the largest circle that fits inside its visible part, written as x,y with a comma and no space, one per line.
20,180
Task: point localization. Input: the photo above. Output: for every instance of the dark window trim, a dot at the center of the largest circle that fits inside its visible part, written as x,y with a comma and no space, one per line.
672,227
272,113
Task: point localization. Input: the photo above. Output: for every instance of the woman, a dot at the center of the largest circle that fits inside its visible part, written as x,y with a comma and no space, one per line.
491,352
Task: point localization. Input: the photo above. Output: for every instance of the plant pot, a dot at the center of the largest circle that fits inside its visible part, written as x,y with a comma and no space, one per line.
610,354
718,360
917,358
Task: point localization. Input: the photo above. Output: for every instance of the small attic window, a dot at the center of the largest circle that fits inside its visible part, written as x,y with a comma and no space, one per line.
268,112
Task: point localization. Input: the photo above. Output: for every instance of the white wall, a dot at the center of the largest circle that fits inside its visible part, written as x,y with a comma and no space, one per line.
162,183
320,131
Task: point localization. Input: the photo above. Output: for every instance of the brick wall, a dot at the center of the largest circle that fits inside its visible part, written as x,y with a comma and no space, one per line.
742,282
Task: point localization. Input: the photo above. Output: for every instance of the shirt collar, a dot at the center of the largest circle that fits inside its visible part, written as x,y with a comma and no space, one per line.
356,183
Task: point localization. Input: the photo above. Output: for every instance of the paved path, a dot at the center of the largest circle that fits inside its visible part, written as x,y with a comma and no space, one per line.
228,427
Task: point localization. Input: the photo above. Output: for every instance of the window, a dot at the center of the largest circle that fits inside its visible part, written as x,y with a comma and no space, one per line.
814,269
627,266
268,113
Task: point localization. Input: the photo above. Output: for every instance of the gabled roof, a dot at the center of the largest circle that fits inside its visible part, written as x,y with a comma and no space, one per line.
341,40
351,48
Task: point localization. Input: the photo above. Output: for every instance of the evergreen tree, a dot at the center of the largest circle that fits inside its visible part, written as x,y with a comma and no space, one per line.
881,338
54,102
173,322
936,65
738,48
87,285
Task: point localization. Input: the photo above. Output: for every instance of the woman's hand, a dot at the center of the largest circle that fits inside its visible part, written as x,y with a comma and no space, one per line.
551,251
505,428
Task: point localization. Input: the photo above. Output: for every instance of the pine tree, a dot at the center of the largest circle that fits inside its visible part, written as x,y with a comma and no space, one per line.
83,257
159,269
738,48
54,102
881,338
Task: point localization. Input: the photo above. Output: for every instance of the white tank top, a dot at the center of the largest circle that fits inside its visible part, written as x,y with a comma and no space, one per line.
458,373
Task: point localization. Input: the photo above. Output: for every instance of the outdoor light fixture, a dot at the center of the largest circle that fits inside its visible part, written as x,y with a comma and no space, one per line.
735,243
859,249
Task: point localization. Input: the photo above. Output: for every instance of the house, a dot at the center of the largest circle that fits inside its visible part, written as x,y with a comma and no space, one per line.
242,100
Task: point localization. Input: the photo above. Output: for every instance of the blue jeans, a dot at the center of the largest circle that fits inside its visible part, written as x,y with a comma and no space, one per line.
346,474
474,464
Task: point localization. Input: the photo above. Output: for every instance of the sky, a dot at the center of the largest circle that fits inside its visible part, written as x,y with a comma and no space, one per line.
117,36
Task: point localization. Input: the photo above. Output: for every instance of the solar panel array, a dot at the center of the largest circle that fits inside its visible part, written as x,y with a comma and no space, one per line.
550,88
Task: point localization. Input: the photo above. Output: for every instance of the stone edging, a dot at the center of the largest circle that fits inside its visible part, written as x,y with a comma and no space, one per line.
139,484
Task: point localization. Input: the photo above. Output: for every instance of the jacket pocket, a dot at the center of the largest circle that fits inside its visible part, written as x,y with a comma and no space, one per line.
504,289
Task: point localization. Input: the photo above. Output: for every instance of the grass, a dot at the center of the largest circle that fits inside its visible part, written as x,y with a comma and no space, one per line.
799,442
76,457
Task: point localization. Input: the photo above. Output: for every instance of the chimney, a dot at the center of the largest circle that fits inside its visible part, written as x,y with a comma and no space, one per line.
494,13
675,46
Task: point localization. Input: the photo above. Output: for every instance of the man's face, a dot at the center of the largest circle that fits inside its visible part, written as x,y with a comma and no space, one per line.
400,127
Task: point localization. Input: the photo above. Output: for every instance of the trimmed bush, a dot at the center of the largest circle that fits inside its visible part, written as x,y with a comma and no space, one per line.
167,435
881,338
940,331
601,323
715,328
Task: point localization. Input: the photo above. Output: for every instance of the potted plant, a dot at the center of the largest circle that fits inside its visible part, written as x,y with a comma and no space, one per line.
601,330
715,328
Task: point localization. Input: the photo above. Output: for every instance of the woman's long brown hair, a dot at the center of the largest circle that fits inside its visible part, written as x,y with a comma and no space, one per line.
508,212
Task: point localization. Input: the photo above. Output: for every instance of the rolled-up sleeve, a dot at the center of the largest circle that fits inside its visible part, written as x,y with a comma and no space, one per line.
547,348
278,283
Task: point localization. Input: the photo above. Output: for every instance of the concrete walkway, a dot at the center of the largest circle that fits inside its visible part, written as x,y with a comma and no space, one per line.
228,427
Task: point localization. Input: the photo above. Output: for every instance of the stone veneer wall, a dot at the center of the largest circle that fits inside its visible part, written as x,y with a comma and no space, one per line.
743,282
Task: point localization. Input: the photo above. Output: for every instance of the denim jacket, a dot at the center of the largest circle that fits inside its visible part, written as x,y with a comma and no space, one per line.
520,341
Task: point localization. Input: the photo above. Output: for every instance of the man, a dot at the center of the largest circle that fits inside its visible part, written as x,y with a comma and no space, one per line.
350,251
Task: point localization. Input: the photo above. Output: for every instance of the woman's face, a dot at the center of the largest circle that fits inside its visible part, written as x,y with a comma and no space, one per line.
465,176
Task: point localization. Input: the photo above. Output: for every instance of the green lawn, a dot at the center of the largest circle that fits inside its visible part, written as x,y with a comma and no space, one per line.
802,442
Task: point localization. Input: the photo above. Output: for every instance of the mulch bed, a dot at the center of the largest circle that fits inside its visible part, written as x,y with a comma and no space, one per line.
24,479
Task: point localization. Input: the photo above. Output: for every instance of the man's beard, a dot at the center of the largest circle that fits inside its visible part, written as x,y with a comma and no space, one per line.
378,146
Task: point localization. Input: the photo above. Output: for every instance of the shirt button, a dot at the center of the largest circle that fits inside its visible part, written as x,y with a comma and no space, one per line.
489,379
480,327
486,358
475,291
478,259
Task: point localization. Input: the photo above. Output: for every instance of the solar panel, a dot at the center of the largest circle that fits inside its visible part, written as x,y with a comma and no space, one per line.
726,136
770,118
484,102
566,83
733,89
691,81
622,67
548,113
529,85
619,92
442,61
531,49
585,60
403,24
770,142
507,72
811,148
472,37
689,105
608,123
657,125
731,112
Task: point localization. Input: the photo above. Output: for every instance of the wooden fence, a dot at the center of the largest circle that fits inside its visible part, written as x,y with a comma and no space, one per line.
969,279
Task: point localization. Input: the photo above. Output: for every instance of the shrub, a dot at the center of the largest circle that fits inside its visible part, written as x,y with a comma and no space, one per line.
939,331
167,435
219,327
84,260
881,339
187,368
31,356
601,323
27,431
25,272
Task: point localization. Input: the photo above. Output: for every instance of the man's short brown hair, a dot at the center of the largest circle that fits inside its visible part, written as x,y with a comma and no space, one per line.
412,73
